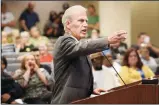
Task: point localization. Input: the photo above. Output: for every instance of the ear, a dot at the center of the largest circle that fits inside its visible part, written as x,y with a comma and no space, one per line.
68,24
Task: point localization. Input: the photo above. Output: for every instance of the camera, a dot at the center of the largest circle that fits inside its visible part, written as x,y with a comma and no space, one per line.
146,39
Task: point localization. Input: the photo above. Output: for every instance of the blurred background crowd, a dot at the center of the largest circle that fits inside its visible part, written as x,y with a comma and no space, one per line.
25,39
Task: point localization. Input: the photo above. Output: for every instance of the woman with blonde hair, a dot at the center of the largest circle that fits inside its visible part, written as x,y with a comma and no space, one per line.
33,79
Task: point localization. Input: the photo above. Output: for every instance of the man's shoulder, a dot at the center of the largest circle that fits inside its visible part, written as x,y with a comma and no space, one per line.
62,41
35,13
23,15
116,64
65,37
24,12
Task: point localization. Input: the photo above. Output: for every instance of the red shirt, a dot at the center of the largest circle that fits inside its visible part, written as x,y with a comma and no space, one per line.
46,58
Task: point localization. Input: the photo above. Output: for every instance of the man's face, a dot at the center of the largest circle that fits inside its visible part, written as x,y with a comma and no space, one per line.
97,62
36,55
78,25
141,38
42,48
144,52
31,6
106,62
90,10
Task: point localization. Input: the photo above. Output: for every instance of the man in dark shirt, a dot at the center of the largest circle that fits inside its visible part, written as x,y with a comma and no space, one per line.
72,66
28,18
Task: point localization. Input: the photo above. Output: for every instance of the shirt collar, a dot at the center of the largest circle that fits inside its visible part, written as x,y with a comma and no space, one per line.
74,38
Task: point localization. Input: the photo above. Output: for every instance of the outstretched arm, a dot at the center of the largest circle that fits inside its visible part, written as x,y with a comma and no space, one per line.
71,48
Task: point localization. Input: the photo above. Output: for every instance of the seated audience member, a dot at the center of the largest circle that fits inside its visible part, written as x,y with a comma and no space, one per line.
65,6
8,21
45,56
140,40
48,68
104,78
34,80
36,38
36,54
147,59
93,19
10,38
26,45
97,61
48,28
54,28
133,69
4,62
97,70
7,38
28,18
118,52
10,90
144,38
107,65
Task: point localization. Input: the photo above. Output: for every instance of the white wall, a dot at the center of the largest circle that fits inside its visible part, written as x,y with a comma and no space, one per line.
145,18
115,16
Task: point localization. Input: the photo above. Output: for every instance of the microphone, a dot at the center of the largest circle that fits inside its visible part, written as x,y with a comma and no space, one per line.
114,69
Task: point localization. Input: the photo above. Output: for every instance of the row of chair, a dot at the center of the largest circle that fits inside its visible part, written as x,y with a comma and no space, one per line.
16,55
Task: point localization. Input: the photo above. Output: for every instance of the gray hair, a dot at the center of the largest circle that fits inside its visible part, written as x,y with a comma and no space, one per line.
69,12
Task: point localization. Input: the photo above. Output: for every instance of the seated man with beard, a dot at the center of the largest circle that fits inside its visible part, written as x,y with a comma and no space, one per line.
104,75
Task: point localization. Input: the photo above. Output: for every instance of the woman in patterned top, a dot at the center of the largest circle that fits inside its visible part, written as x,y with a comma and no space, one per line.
34,80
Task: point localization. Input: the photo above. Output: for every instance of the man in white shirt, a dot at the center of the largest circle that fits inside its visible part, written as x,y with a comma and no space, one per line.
8,21
147,59
106,78
107,64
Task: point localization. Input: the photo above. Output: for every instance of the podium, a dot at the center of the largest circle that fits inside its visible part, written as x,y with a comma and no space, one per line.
135,93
